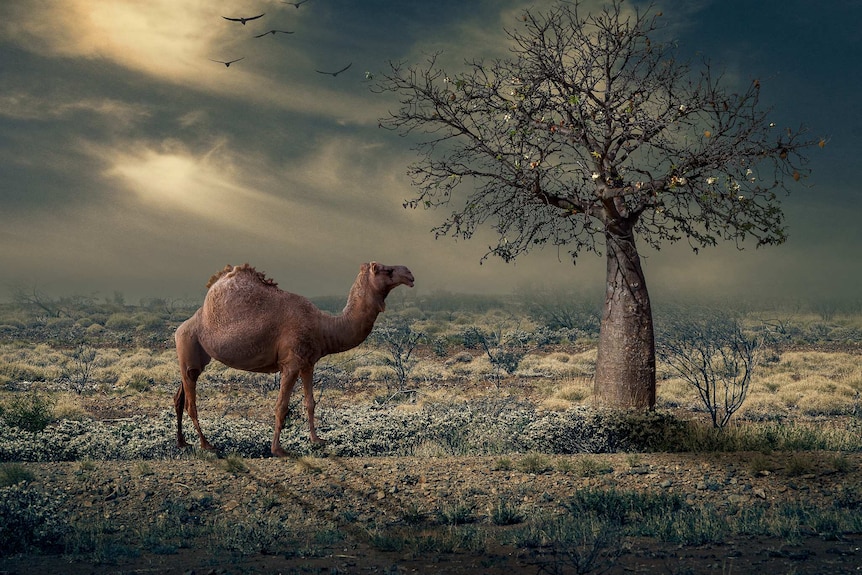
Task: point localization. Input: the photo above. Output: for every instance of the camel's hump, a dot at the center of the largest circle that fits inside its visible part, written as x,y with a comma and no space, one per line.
245,269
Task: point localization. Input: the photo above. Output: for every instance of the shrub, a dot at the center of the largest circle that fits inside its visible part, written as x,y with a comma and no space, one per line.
440,346
399,341
79,367
14,473
30,520
535,463
95,329
504,513
149,321
710,351
471,338
29,412
120,322
456,514
584,430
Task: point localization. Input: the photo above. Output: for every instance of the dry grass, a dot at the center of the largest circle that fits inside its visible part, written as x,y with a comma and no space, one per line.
677,392
69,406
23,363
796,383
562,395
307,465
807,383
810,382
559,365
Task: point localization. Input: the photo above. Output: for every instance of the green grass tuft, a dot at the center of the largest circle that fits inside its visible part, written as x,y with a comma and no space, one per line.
14,473
535,463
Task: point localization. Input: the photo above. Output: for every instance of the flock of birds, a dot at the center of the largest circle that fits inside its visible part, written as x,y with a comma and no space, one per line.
244,19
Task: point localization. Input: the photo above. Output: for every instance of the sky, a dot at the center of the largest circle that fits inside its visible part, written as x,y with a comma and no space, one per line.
131,162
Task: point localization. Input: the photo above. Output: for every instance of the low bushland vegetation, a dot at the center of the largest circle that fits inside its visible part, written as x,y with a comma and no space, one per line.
447,375
521,364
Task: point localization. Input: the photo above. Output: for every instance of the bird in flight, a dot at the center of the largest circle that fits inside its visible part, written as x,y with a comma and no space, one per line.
295,4
244,20
274,32
334,74
228,63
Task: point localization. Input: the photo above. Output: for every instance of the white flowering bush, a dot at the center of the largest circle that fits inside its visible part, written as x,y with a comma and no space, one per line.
241,436
487,426
370,430
578,430
30,520
136,438
587,430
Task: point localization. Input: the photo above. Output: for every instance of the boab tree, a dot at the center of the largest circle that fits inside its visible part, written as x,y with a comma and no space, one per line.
589,134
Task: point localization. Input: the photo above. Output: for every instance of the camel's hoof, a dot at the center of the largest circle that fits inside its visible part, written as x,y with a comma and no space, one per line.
318,443
279,452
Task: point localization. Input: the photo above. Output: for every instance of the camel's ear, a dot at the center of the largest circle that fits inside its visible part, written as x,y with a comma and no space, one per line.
376,268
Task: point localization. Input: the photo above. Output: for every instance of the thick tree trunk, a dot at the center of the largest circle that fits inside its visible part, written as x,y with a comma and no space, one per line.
625,367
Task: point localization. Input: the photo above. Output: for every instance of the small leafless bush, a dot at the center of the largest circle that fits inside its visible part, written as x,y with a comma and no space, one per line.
711,352
504,349
79,367
399,340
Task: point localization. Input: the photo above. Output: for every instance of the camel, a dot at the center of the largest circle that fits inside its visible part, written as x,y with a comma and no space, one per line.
248,323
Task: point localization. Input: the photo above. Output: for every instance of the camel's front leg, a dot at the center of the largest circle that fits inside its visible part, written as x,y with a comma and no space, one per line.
192,359
282,406
308,393
179,405
186,397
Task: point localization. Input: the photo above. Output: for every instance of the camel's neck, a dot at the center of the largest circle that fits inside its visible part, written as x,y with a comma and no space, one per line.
352,326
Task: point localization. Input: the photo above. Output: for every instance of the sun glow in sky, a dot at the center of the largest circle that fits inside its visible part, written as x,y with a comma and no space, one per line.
132,162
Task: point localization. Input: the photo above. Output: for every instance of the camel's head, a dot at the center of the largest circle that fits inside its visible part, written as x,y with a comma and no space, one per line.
375,281
381,280
386,278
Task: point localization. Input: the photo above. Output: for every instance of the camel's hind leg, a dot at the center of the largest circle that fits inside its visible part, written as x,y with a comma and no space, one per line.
193,359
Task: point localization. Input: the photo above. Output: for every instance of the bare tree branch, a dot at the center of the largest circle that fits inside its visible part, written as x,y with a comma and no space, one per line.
591,121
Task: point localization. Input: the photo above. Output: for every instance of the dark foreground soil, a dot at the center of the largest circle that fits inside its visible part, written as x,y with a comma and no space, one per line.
355,500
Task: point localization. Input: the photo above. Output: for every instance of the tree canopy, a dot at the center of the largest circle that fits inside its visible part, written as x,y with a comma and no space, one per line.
593,120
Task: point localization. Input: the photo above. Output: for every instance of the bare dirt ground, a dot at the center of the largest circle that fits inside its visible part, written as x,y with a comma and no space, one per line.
353,499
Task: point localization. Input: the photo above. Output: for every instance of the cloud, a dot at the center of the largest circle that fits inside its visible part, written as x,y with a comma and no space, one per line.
205,189
28,106
174,42
319,197
161,36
